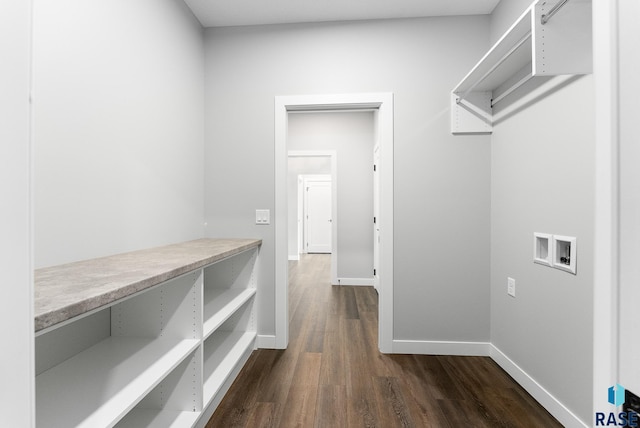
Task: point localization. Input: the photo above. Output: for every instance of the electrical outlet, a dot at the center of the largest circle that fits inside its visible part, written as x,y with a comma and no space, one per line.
511,287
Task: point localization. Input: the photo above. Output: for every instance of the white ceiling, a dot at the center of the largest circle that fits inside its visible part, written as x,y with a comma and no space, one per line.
223,13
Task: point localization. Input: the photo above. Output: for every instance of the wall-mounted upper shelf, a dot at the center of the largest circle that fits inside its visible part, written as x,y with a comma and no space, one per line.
552,37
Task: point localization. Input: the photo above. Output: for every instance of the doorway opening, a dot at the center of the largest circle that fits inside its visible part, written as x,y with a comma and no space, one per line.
382,105
300,162
350,135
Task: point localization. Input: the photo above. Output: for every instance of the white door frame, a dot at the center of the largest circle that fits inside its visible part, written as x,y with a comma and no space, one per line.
605,358
376,214
383,102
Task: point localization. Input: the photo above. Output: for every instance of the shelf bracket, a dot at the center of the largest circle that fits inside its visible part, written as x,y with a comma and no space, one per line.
473,115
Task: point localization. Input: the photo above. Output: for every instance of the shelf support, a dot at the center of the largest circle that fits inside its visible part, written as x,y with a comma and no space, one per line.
547,16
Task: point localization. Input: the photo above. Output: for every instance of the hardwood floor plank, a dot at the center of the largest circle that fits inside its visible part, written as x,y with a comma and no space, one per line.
538,415
442,384
331,410
307,372
363,407
367,299
336,301
333,369
382,364
300,408
362,411
318,321
423,406
494,394
457,414
396,412
271,380
350,303
263,415
236,405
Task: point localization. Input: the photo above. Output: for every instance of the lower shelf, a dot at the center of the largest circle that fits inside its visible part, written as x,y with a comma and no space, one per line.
138,418
97,387
222,304
222,351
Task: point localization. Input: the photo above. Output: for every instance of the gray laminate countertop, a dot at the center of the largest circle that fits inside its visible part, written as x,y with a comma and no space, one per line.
66,291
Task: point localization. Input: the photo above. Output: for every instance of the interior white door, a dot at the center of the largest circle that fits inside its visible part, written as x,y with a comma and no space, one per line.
318,217
376,217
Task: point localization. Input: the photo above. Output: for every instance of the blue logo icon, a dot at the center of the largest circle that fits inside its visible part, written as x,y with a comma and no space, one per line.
617,419
616,395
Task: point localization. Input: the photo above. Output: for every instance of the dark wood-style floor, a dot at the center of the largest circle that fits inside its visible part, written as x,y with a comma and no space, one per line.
332,374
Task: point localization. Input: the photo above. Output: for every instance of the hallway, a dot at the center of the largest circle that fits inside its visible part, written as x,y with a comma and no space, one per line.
332,374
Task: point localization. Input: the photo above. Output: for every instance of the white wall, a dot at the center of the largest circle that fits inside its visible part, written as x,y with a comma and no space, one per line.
16,317
504,15
119,127
543,178
351,136
442,193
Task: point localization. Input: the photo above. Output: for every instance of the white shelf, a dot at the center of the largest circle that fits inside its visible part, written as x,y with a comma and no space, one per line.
222,351
138,418
98,386
529,48
520,57
220,304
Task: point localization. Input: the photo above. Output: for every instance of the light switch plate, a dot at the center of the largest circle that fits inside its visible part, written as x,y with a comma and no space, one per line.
263,217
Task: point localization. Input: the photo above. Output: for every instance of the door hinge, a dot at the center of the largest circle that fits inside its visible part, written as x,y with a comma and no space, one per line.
374,168
374,272
374,220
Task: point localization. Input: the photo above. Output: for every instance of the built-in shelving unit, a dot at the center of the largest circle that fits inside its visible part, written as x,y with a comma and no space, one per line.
552,37
161,356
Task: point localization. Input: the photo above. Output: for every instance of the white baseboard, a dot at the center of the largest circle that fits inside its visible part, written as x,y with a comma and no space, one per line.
541,395
265,342
294,258
362,282
423,347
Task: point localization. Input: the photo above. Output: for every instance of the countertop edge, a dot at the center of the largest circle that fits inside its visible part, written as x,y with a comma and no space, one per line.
51,318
